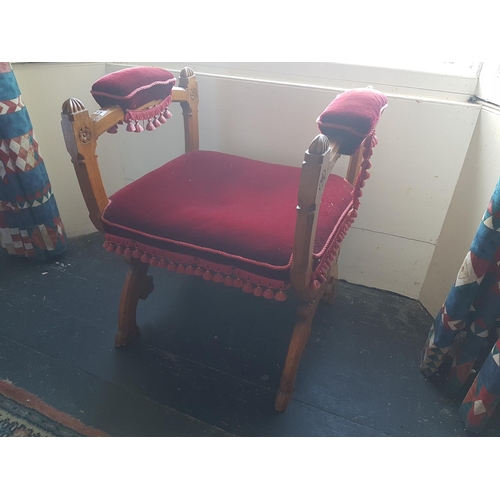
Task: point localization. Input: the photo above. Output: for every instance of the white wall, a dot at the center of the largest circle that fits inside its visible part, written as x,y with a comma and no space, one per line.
416,166
475,186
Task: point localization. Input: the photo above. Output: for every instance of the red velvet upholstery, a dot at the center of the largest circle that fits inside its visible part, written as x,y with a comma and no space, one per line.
351,116
223,209
131,88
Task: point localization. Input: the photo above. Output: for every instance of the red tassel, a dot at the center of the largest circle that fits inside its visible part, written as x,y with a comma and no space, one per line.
269,294
162,263
218,278
228,281
162,119
119,250
127,252
111,247
190,270
167,114
130,127
207,275
156,123
105,244
248,288
199,271
172,266
113,129
315,284
137,254
181,268
150,127
258,292
280,296
145,258
138,127
238,283
153,261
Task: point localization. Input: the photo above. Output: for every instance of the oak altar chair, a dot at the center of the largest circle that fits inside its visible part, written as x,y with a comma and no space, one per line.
270,230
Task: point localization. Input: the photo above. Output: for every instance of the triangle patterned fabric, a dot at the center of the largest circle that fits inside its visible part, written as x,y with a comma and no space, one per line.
465,328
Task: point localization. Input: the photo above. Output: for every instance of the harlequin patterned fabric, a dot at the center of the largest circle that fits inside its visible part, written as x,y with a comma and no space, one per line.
30,224
221,213
467,321
484,394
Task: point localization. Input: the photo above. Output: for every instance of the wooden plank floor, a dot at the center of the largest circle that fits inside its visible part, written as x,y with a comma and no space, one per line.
209,358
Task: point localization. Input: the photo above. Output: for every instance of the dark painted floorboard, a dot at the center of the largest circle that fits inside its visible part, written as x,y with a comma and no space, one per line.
208,360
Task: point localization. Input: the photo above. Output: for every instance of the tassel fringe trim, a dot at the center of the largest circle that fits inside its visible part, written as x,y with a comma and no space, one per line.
155,116
209,271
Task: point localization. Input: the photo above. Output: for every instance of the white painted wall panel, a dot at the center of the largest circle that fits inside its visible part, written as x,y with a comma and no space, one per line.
384,262
475,186
416,165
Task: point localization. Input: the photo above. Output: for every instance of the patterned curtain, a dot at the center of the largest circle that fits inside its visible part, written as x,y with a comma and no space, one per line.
29,218
465,328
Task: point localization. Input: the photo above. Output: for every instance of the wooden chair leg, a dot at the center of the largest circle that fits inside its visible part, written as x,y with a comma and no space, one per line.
300,336
138,285
329,295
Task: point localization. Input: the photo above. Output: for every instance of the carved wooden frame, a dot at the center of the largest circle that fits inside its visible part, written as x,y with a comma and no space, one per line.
81,131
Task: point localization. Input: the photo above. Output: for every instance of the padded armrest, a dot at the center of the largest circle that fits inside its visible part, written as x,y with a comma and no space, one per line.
131,88
352,116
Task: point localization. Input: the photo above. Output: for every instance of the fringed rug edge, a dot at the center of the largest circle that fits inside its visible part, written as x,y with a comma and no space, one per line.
25,398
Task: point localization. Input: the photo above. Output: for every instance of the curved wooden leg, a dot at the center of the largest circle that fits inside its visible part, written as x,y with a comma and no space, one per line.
329,295
301,332
138,285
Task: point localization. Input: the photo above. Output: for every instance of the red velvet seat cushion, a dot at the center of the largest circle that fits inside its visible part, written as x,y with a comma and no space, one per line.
351,116
131,88
222,208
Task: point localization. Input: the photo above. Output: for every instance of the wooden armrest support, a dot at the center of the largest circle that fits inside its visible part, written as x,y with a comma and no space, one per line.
80,135
318,162
105,118
354,165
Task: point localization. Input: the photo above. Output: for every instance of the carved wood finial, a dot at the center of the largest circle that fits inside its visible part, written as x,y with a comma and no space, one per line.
319,145
186,72
72,105
185,75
